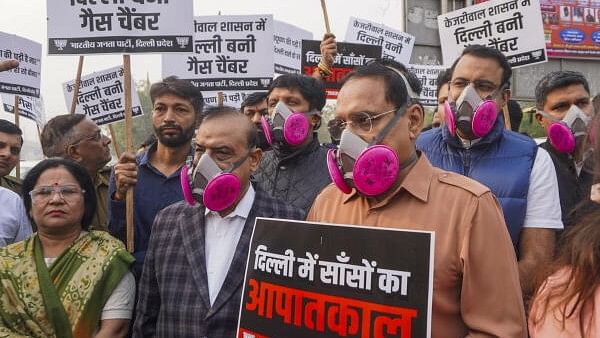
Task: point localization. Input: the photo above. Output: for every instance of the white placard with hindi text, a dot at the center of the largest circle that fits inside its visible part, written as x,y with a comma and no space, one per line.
287,41
29,107
514,27
101,96
394,44
428,75
232,54
119,26
26,78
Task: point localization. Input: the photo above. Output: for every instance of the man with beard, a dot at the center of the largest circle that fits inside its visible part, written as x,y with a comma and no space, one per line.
474,143
154,174
78,138
565,110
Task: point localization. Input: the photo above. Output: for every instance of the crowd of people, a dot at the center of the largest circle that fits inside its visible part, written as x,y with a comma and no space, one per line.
516,224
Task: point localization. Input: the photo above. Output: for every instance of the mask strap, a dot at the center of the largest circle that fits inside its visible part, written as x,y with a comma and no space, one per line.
397,115
239,162
409,91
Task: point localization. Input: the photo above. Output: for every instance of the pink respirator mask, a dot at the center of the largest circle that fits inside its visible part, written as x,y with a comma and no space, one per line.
562,134
470,110
217,188
372,168
287,126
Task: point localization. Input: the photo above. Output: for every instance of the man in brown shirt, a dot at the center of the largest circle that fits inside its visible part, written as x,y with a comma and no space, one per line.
78,138
476,290
11,142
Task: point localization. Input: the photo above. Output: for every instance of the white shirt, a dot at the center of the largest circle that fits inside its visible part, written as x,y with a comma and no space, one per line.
543,199
222,235
14,224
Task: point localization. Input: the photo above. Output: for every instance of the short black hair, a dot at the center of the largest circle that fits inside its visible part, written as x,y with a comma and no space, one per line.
253,99
413,81
395,88
181,88
486,52
310,88
81,176
56,133
557,80
10,128
222,111
444,77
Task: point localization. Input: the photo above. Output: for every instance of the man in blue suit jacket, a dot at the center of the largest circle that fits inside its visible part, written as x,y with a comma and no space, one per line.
192,279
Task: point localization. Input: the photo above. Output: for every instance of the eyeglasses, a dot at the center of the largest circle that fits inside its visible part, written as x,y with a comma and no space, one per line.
97,136
363,121
68,193
483,87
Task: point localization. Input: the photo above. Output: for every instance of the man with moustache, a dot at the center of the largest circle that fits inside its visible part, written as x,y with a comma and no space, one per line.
76,137
154,174
11,141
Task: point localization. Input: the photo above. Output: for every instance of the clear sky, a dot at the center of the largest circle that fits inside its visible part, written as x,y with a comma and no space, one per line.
27,18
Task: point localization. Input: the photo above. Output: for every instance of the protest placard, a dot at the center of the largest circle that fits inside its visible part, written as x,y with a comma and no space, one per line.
101,96
394,44
29,107
349,56
428,75
287,41
119,26
319,280
26,78
232,54
513,27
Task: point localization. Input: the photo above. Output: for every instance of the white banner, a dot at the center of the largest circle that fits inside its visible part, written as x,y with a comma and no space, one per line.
101,96
428,75
29,107
25,79
119,26
513,27
232,54
395,45
287,40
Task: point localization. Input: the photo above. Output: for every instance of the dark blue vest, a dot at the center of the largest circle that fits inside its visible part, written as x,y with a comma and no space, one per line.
502,160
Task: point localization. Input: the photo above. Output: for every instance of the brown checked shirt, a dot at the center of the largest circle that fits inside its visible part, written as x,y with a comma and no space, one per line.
476,290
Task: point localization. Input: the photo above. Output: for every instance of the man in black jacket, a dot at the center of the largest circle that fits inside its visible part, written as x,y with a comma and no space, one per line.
563,103
295,173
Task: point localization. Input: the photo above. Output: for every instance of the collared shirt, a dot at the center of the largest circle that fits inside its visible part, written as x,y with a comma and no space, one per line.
101,181
476,289
222,235
14,224
11,183
153,192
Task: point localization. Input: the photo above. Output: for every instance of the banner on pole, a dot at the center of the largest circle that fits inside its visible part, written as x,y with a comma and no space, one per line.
232,54
349,56
119,26
513,27
31,108
395,45
101,96
287,41
25,79
320,280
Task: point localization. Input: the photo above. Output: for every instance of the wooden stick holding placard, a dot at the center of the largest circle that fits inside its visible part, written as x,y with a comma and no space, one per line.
506,117
325,16
113,140
77,84
16,111
128,147
220,99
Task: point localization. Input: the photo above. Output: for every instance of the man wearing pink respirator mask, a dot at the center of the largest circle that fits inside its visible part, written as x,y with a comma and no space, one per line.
192,280
565,111
474,142
381,180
